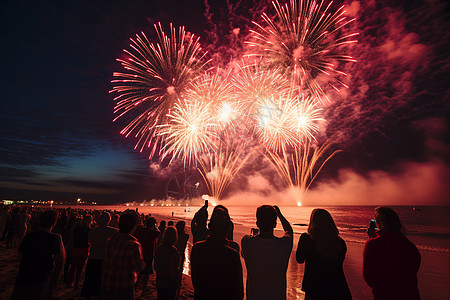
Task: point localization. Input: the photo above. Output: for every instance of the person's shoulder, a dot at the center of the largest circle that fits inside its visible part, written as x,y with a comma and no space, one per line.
115,238
285,239
200,245
41,234
373,243
305,238
233,245
55,235
247,238
111,229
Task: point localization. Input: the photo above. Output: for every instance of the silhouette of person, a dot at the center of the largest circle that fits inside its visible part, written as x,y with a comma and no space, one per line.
80,250
390,260
161,228
122,261
198,225
216,269
97,237
267,256
148,238
181,244
23,220
42,256
167,266
222,210
323,252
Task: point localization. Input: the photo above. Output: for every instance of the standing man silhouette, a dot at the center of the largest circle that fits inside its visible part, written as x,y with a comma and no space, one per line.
267,256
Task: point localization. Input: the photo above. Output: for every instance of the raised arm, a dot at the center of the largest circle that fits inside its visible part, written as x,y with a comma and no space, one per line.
194,219
286,225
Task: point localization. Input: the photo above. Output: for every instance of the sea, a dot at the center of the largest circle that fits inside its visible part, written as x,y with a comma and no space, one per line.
428,227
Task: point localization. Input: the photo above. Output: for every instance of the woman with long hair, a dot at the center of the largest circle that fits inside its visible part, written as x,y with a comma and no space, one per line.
390,260
167,266
323,252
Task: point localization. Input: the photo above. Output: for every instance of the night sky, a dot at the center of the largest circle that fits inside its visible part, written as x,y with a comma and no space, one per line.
59,141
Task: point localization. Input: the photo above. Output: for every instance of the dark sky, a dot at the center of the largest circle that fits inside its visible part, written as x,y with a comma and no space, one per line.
59,141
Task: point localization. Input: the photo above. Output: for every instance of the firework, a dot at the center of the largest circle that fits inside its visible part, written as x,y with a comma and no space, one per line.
286,122
216,89
299,169
196,122
253,83
304,39
154,77
219,169
305,118
191,130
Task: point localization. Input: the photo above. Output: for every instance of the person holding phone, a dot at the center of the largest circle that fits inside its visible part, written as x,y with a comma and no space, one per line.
198,224
372,230
390,260
267,256
216,269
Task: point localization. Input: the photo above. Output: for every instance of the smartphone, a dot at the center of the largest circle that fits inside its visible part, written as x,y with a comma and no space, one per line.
206,202
373,224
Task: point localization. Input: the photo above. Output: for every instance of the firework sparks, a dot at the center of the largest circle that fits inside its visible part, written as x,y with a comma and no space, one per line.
299,169
219,169
190,131
274,123
281,122
173,106
218,91
154,77
304,40
305,118
253,82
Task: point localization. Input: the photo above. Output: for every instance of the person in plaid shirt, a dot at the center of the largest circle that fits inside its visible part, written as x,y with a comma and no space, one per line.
122,262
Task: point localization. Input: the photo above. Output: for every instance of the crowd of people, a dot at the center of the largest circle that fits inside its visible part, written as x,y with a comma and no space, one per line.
119,251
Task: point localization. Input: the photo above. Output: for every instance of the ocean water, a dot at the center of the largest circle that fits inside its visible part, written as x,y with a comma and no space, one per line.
427,227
